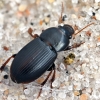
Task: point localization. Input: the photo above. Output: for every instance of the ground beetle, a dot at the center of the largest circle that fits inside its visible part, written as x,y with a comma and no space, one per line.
38,56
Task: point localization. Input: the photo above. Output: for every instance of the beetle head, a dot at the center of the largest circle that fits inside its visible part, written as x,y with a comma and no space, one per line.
69,31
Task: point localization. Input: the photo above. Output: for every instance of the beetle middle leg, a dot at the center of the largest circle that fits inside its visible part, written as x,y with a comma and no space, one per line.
30,30
3,66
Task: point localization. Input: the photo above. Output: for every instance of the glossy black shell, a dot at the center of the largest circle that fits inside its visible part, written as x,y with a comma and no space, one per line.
56,37
32,61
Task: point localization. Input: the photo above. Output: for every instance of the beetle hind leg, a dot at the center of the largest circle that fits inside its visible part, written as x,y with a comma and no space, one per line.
52,67
53,77
3,66
43,83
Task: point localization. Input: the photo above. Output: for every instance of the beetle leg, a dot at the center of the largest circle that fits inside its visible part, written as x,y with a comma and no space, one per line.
42,30
53,77
75,45
3,66
52,67
43,83
30,30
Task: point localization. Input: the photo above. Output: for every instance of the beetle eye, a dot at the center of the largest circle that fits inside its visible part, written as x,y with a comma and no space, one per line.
68,30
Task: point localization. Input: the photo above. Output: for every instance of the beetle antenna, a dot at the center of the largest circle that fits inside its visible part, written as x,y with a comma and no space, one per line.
81,30
60,19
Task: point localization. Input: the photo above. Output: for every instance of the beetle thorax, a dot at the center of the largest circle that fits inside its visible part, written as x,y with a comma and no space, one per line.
56,38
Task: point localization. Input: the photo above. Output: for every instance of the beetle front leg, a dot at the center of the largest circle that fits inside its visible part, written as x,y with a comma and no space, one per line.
3,66
30,30
75,45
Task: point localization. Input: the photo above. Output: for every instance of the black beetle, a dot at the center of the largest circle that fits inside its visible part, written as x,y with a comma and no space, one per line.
39,55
